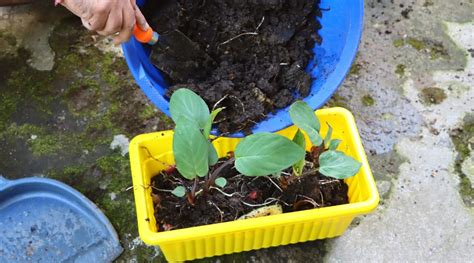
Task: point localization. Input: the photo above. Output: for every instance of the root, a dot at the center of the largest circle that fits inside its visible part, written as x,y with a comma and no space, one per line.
328,182
220,101
322,198
267,202
311,200
243,34
240,35
224,193
239,101
218,209
275,184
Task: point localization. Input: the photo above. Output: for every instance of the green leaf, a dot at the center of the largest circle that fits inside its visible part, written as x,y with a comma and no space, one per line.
179,191
213,158
327,138
266,153
210,121
334,144
303,117
337,165
221,182
185,104
299,140
191,150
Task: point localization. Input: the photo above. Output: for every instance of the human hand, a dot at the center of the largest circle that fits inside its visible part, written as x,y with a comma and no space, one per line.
108,17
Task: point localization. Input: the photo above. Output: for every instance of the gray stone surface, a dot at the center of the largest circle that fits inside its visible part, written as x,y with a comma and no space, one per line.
415,62
424,218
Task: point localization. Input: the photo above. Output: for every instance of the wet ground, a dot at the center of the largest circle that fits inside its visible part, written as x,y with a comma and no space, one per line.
68,102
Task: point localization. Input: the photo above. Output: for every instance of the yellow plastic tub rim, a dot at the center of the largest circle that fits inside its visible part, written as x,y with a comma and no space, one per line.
244,235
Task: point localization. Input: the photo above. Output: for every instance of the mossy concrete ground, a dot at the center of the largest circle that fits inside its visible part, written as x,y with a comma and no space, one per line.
410,89
59,123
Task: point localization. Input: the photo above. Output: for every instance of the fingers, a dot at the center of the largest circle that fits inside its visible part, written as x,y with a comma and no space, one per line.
98,16
114,22
139,17
109,17
128,22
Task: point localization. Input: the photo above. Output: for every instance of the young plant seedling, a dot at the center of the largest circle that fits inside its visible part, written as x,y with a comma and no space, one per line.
332,163
264,154
192,147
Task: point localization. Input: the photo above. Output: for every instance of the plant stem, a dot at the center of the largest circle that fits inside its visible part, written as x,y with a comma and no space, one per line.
192,195
215,174
310,172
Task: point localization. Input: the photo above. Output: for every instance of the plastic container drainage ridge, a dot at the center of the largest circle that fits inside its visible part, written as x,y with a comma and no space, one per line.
342,24
244,235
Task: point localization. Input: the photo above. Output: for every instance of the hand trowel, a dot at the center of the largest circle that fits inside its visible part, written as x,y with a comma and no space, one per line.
175,54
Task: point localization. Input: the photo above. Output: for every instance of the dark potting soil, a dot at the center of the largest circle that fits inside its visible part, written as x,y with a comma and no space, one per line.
242,195
259,51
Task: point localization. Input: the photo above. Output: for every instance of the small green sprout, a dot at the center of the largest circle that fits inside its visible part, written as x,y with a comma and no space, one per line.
179,191
301,141
221,182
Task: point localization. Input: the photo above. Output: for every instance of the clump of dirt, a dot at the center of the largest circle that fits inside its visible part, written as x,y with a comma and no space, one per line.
259,51
240,196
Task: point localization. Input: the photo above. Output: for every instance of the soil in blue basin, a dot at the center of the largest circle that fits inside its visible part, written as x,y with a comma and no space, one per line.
259,49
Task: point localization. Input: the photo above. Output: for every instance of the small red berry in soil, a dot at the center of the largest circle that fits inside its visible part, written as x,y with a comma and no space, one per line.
253,195
171,169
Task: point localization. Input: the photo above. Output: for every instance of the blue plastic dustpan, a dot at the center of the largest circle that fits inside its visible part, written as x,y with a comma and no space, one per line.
342,24
43,220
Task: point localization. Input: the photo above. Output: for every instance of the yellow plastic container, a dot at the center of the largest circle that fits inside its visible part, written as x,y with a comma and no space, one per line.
244,235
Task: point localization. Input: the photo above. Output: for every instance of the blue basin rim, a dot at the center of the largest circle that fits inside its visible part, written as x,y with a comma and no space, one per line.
43,198
342,25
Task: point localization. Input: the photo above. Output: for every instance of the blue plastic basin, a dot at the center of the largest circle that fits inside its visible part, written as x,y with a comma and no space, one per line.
342,24
43,220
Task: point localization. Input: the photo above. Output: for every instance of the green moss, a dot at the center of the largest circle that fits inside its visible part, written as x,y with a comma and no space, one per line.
367,100
81,177
147,113
7,108
117,169
337,101
437,50
8,38
428,3
398,42
432,95
355,69
416,43
462,139
400,70
24,132
48,144
22,85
